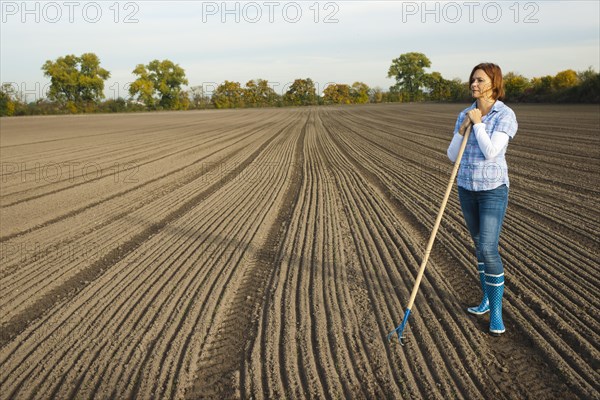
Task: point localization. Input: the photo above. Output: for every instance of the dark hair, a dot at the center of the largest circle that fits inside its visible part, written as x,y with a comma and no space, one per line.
495,74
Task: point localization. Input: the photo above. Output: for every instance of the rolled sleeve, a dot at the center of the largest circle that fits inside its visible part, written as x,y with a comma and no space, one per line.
507,123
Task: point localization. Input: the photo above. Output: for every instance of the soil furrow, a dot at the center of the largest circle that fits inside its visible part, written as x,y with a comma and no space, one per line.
266,253
81,278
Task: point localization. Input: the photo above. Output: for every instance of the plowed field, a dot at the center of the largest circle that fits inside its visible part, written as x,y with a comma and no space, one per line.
267,253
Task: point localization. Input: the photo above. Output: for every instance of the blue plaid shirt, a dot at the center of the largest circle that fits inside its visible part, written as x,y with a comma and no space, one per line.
475,172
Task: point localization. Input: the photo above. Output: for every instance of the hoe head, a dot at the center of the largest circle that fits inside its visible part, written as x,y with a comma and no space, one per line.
400,329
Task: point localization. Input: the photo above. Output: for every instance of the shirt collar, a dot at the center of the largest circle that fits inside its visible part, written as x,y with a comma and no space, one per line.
498,105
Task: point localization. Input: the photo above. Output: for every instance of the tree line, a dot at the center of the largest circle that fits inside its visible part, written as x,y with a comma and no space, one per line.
77,86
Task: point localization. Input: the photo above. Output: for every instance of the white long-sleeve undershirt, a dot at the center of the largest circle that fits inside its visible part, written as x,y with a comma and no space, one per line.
489,147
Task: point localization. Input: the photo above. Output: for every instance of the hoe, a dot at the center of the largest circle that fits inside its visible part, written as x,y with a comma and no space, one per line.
400,329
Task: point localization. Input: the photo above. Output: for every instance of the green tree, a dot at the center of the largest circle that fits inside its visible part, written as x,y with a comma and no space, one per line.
395,95
376,95
540,88
439,88
459,90
114,105
76,82
565,79
228,95
198,98
258,93
585,88
515,86
183,102
409,72
161,78
589,87
143,86
301,93
588,74
337,94
359,93
7,100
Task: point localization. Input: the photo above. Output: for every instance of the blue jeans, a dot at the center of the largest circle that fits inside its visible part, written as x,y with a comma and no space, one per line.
484,213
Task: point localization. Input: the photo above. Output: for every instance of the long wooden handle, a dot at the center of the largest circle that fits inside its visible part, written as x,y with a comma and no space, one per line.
439,218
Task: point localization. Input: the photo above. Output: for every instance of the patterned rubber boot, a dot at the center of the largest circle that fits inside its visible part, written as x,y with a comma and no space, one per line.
485,304
495,291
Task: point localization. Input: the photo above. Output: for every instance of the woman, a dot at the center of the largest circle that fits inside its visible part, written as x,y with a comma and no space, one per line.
483,181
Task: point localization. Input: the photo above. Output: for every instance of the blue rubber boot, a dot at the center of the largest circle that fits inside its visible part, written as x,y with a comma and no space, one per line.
484,306
495,291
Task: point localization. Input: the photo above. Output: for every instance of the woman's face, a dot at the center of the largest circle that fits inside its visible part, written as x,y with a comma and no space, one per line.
481,85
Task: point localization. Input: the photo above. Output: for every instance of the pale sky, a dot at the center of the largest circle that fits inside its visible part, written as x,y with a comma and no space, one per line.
327,41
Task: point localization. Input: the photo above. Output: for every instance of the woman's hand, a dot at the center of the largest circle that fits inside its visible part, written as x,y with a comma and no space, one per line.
463,127
475,116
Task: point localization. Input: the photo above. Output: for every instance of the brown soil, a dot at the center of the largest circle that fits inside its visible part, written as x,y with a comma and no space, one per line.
267,254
